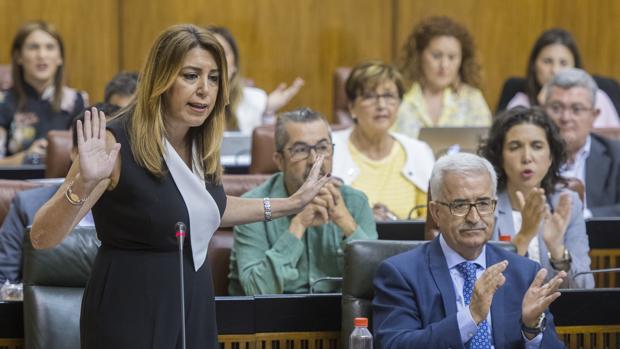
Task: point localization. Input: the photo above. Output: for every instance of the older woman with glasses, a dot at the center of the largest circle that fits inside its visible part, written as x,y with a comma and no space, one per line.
392,169
534,210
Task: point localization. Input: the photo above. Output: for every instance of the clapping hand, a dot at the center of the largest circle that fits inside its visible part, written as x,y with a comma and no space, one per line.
533,208
538,297
556,224
486,285
282,95
96,163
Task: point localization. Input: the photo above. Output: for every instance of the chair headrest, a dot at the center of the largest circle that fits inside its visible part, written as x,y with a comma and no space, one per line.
68,264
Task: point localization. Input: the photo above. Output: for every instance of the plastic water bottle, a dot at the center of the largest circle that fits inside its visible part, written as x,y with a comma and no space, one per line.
360,337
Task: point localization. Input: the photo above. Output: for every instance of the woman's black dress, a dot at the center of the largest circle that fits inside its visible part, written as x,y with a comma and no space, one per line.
132,299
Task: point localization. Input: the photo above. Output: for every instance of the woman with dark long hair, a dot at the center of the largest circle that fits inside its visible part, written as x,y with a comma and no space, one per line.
534,209
38,101
554,50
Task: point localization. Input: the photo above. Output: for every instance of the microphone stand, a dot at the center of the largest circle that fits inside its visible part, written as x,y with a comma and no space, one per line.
180,234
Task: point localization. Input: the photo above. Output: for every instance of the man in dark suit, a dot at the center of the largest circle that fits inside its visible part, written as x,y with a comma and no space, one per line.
595,160
457,291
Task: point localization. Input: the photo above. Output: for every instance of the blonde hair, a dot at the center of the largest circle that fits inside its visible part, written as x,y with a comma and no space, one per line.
162,66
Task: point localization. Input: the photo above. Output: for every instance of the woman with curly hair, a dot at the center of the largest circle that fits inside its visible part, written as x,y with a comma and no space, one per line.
535,210
442,77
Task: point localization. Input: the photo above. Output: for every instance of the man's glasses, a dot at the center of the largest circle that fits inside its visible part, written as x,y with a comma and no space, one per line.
462,208
558,109
301,151
369,99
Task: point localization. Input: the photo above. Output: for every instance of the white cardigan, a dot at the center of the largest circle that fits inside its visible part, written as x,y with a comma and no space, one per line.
417,169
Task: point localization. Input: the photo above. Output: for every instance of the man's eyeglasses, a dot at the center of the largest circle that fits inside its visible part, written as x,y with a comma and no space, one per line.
462,208
558,109
301,151
368,99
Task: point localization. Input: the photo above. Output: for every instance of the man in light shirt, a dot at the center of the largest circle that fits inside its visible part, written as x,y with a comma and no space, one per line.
457,290
594,160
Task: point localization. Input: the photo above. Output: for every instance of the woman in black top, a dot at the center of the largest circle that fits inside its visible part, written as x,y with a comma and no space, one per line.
38,101
157,163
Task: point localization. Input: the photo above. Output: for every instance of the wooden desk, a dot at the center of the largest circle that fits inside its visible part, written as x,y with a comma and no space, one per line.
587,319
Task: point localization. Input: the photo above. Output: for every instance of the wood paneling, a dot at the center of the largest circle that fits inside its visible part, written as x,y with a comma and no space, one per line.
278,40
595,26
89,30
281,39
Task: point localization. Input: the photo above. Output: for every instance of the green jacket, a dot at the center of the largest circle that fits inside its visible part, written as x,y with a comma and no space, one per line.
268,259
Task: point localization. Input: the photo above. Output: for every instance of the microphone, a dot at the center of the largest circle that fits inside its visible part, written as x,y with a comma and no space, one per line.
596,271
180,232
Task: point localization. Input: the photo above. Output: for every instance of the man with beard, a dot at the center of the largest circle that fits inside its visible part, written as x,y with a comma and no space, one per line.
289,254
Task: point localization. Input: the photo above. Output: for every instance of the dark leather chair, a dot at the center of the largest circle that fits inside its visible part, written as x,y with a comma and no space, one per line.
58,155
263,147
361,260
237,185
218,257
341,112
54,281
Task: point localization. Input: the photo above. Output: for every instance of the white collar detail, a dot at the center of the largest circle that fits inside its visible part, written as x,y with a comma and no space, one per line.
203,212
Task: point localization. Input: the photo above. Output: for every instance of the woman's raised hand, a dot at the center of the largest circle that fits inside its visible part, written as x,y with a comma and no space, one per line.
96,163
532,211
311,186
556,224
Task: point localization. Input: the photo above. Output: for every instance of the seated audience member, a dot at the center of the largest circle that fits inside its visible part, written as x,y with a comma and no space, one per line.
553,51
534,211
571,102
249,106
38,101
21,214
390,168
287,255
458,291
442,78
121,89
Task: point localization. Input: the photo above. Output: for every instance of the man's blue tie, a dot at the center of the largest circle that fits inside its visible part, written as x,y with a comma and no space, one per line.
482,338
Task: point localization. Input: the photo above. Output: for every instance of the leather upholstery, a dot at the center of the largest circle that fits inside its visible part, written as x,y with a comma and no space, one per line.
237,185
361,260
263,147
54,281
219,259
8,189
58,158
341,102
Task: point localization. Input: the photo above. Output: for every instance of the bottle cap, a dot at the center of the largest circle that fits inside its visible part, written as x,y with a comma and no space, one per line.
360,322
506,238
